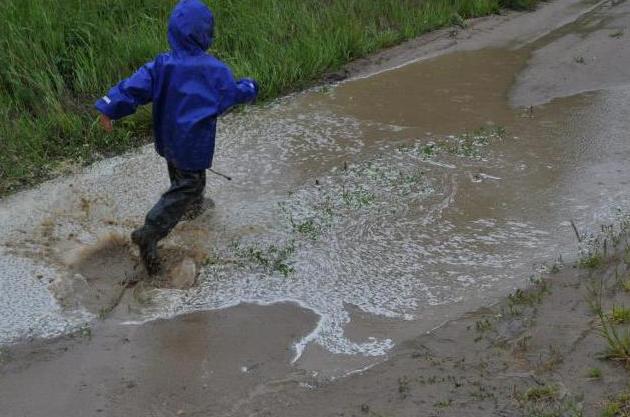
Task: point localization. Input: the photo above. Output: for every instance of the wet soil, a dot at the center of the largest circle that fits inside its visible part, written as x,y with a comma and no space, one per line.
538,353
99,275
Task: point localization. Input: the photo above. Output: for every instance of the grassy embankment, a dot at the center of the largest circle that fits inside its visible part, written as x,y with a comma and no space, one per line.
58,56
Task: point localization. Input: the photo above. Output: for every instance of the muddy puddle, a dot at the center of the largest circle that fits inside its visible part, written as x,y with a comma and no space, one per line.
385,205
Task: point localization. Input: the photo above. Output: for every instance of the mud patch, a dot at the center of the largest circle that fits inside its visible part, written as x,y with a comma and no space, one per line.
180,267
99,274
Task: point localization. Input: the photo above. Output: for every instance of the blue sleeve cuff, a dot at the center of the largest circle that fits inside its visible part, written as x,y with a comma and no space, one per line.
249,89
103,106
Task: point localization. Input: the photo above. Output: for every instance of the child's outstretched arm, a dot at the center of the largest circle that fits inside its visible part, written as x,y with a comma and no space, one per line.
123,99
233,92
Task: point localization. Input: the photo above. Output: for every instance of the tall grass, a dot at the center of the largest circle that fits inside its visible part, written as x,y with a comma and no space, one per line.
59,55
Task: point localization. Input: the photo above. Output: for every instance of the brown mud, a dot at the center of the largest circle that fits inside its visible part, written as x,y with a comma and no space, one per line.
99,275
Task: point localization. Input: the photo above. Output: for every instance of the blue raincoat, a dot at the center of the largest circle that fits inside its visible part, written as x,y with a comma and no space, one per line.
188,87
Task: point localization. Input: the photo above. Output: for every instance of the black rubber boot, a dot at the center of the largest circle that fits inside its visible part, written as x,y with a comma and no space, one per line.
186,189
148,250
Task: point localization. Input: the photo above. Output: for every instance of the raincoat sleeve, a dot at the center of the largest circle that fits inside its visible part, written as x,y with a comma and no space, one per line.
123,99
233,92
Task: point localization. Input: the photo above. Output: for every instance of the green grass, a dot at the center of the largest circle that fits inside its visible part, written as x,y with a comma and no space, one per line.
594,373
617,406
544,392
546,401
591,261
269,258
59,56
619,314
617,340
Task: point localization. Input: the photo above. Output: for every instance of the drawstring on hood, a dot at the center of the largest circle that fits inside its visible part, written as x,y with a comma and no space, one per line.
191,27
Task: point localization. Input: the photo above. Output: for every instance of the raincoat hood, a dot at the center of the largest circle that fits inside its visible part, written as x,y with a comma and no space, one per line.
191,27
188,87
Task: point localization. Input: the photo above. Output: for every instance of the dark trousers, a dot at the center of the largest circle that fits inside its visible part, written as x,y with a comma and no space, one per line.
186,191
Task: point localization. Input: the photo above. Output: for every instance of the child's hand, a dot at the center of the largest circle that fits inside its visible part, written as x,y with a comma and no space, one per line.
106,123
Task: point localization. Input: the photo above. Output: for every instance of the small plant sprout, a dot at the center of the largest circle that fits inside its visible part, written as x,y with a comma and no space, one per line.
617,406
271,258
403,387
594,373
591,261
5,355
619,315
483,325
444,403
618,344
545,392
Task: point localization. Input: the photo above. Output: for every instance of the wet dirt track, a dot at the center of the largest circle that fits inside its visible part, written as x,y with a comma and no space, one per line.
380,208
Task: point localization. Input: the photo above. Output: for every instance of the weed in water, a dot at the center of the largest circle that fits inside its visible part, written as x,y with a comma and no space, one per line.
591,261
483,325
443,403
429,150
594,373
358,198
309,229
619,315
403,387
531,296
579,60
84,331
514,311
271,258
5,355
545,392
470,144
617,34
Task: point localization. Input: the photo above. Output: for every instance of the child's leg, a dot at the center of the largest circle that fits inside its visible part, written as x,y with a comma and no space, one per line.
198,206
186,187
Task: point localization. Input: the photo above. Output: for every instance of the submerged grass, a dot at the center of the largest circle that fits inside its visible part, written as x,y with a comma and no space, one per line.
58,56
269,258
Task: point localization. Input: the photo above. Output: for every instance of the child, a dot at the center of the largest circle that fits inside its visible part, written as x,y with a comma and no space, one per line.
189,89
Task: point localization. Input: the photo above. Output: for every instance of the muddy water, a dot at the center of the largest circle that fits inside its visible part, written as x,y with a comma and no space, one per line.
384,205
